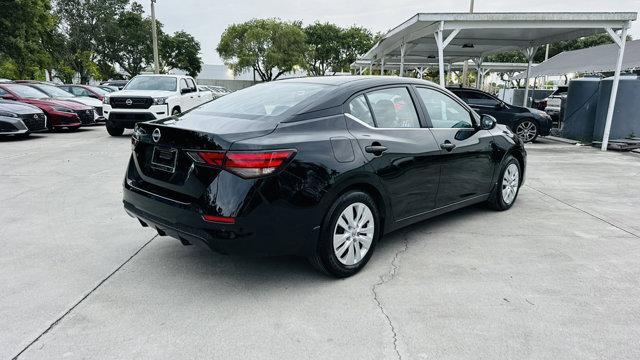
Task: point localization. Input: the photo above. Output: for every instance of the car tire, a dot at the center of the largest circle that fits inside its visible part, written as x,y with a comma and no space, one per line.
353,223
115,130
506,190
527,130
73,129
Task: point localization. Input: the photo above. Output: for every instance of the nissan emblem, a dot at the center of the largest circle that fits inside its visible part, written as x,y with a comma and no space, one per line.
156,135
128,102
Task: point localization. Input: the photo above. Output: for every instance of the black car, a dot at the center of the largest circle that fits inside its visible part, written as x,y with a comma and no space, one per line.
528,123
319,167
20,119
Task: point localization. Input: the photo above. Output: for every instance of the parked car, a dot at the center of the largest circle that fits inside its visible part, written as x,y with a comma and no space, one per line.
527,123
149,97
90,91
57,93
319,167
218,91
554,103
20,119
206,92
118,84
108,89
60,113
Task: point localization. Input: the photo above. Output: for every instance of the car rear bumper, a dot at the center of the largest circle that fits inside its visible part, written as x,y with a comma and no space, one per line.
265,228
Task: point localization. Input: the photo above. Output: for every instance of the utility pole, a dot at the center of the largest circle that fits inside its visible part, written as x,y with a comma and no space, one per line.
465,65
154,36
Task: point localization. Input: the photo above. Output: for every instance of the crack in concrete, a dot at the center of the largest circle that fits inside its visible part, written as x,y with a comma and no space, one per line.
58,320
385,278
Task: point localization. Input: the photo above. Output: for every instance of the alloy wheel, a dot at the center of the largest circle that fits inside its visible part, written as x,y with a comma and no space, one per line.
527,130
510,182
353,234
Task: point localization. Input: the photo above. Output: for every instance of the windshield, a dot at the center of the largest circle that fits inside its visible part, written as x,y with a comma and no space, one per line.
262,100
26,92
163,83
54,92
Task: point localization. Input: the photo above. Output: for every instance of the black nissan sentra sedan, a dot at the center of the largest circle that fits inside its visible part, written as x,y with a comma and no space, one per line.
319,167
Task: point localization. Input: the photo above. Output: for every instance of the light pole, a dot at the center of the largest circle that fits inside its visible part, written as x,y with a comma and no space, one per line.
154,36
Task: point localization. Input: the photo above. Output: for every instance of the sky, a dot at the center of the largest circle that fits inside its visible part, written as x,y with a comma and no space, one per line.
206,20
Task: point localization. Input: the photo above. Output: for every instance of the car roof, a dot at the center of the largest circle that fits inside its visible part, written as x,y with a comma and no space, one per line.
338,80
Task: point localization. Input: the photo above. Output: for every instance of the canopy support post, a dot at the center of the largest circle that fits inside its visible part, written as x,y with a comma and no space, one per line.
441,45
529,52
402,50
478,62
382,66
621,41
371,67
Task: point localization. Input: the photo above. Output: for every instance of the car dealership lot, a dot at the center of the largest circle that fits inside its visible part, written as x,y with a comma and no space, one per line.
557,276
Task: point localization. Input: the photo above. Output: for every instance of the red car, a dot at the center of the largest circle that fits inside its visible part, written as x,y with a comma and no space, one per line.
85,90
60,113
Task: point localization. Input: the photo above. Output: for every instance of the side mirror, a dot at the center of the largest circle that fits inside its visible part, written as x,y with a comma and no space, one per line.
500,105
8,97
184,91
487,122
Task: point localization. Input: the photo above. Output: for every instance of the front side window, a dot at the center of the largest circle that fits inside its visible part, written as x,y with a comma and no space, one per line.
162,83
444,112
359,108
191,84
258,101
393,108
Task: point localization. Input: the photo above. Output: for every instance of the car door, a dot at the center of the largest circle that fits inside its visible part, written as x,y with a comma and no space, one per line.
397,145
465,150
194,95
186,102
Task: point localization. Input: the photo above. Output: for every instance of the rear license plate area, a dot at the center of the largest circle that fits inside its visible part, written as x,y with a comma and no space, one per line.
164,159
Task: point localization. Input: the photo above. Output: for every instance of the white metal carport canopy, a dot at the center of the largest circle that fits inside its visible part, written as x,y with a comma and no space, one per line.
451,37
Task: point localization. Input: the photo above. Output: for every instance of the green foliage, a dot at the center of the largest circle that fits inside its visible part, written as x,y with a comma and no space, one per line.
324,49
268,46
23,24
130,44
355,41
181,51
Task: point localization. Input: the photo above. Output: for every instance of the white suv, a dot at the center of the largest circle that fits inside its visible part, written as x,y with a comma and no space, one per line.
150,97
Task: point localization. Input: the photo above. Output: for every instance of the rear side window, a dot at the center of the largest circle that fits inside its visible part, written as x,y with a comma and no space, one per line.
444,112
478,98
359,108
393,108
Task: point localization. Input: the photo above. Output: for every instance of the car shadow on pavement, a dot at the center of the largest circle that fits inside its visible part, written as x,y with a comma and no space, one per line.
202,265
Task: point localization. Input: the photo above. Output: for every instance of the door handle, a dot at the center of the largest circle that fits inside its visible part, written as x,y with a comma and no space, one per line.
375,149
447,145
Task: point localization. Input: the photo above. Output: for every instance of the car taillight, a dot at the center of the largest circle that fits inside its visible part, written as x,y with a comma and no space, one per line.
219,219
246,164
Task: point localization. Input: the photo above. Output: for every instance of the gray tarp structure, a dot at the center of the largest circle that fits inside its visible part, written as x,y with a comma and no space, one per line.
591,60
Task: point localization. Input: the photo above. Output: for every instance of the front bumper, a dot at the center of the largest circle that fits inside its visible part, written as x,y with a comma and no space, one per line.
128,118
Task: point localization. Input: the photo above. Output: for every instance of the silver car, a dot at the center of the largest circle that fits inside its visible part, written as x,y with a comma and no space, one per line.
20,119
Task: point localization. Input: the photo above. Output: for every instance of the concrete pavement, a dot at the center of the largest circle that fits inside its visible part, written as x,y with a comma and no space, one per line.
557,276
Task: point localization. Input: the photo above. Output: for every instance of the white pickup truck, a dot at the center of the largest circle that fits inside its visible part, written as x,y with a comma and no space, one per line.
150,97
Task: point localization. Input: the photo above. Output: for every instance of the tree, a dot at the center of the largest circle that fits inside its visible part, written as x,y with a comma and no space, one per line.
268,46
354,42
323,48
23,24
131,46
181,51
87,25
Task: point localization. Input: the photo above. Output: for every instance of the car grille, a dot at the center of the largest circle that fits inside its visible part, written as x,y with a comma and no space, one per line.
98,110
86,116
34,122
134,102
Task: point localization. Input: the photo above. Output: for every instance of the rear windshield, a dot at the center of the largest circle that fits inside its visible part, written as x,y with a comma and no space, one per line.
26,92
163,83
263,100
